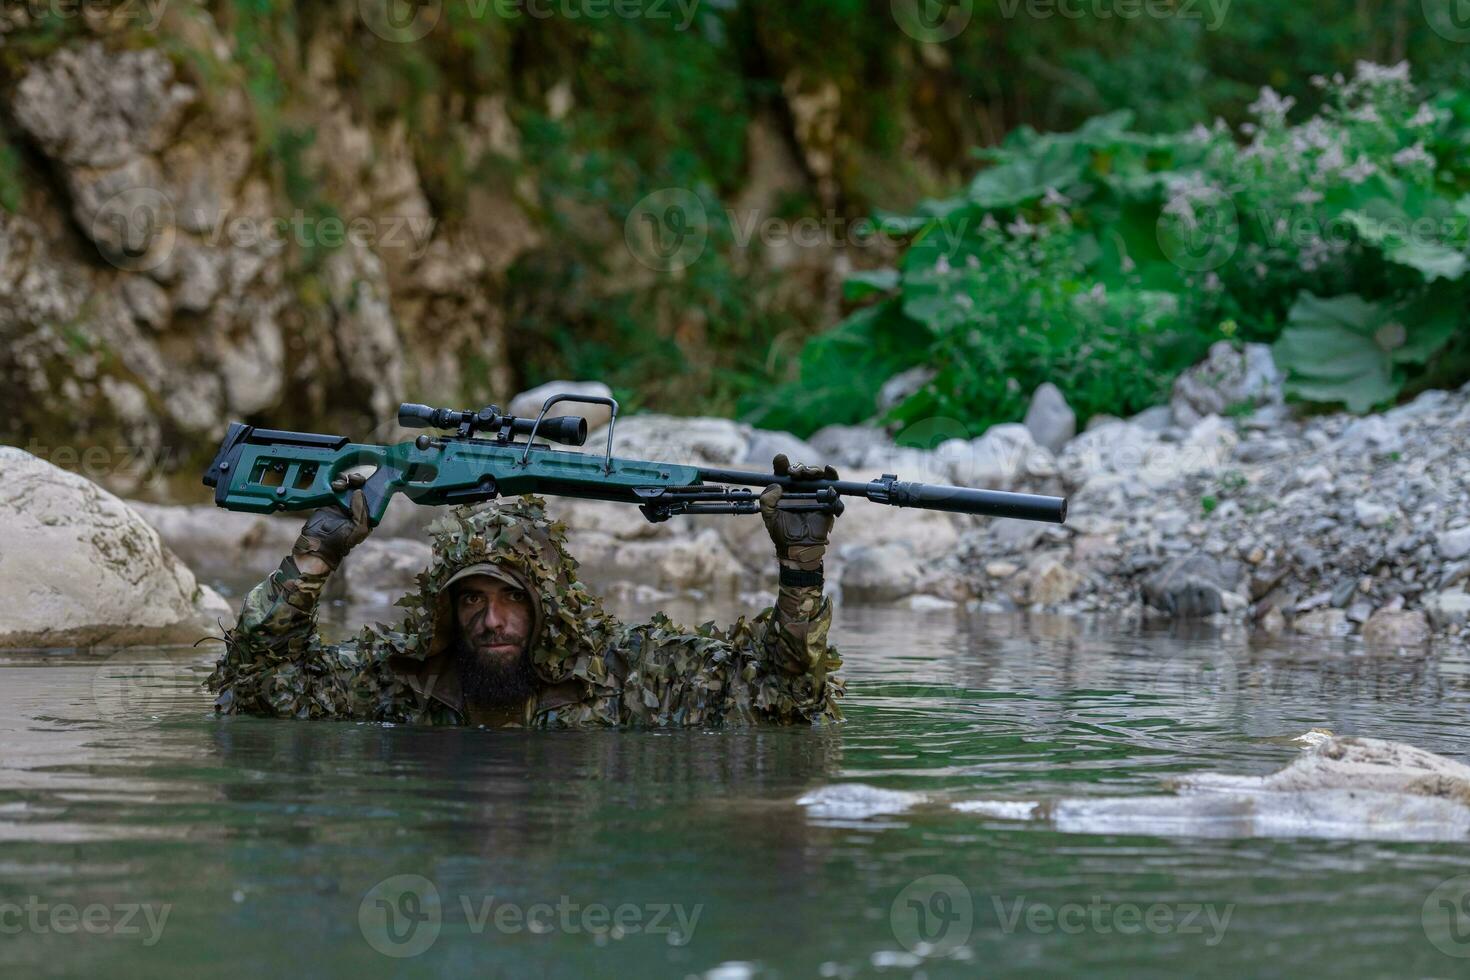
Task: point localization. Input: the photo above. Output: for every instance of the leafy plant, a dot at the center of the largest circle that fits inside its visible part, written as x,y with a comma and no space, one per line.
1106,260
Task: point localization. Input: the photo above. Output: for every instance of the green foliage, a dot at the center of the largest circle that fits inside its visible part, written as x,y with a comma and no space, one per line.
1352,351
1106,260
12,181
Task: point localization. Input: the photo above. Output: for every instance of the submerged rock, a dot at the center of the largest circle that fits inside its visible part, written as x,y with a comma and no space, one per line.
856,801
1352,788
78,567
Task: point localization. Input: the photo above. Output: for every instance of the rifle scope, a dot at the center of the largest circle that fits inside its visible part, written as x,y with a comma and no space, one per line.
569,430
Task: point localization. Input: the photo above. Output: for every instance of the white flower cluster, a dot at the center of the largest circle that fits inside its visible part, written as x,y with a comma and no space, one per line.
1271,108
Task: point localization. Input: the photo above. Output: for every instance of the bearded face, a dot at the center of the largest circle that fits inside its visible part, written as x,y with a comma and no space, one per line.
494,619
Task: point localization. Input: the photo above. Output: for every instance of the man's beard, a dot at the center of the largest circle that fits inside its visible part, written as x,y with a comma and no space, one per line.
491,682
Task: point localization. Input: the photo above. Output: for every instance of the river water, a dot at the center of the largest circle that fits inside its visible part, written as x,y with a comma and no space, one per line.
141,836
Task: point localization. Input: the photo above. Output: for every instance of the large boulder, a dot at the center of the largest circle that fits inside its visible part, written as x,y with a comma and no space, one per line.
1227,379
78,567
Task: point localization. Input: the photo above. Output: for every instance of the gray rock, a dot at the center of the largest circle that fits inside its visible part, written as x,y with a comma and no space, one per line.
847,445
1391,629
220,543
528,403
1170,522
1373,434
1323,622
1226,379
879,573
90,107
675,439
80,568
381,569
1193,586
1113,447
1315,477
699,562
1050,579
1425,404
1155,419
998,460
1447,608
1454,543
898,388
766,444
1008,535
1050,420
1261,450
1371,514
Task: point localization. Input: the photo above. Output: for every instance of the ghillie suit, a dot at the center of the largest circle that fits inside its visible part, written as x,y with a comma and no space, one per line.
590,669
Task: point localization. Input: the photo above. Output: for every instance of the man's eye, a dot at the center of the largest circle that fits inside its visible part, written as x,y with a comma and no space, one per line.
518,595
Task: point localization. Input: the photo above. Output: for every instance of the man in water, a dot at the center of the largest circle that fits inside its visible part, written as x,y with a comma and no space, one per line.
502,633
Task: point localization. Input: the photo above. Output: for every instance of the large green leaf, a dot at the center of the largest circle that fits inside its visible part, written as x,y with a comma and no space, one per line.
1346,349
1025,178
1430,242
1433,261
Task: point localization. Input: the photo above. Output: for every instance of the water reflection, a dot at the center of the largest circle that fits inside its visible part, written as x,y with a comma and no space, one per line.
117,780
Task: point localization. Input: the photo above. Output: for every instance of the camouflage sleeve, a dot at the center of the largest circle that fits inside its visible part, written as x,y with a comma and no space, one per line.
796,635
777,667
275,639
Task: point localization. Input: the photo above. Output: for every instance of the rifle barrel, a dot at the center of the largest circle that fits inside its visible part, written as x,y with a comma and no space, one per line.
928,496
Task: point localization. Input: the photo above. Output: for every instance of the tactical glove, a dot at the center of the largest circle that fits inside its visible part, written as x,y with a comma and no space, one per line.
800,536
331,532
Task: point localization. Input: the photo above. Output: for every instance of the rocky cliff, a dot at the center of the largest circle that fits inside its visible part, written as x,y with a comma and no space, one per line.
239,210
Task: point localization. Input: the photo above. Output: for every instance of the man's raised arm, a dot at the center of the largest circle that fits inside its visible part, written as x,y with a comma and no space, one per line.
796,641
277,621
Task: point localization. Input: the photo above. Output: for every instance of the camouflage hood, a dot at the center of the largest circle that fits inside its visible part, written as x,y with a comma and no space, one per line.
570,630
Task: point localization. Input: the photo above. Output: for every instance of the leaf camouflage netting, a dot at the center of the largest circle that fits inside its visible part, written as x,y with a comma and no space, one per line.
590,669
